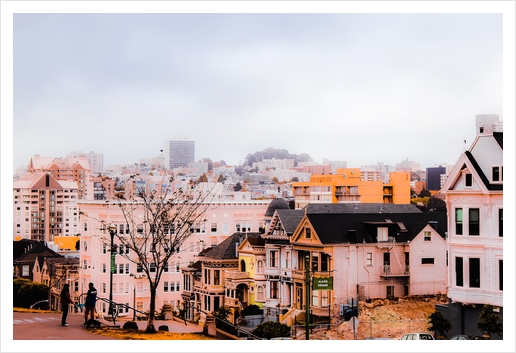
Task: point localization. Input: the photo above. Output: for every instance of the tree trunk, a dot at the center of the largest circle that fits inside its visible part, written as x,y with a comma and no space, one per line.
152,310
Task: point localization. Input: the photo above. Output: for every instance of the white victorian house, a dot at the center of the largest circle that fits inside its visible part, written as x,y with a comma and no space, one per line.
474,200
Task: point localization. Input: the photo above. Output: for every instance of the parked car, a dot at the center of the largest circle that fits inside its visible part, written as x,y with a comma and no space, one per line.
41,305
281,338
417,336
460,337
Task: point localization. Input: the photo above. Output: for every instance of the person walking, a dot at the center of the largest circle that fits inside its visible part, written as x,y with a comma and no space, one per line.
66,299
91,300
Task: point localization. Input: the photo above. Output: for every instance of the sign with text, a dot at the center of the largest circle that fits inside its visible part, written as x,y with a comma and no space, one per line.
323,283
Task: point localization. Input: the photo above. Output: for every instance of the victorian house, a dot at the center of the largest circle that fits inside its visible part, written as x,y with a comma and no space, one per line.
360,251
474,199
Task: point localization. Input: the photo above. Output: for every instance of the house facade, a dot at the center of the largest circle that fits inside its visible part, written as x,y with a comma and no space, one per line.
221,220
474,199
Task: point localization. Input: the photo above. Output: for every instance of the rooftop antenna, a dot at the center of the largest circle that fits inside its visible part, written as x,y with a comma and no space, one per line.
464,149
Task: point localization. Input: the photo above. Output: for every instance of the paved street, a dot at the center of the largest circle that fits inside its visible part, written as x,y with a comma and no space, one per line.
47,326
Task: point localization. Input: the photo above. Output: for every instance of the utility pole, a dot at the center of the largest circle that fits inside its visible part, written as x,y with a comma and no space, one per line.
307,287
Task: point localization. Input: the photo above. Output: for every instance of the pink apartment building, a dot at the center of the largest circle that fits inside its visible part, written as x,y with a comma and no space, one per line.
223,218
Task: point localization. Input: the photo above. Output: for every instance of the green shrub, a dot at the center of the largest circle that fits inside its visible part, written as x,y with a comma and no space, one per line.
26,292
271,329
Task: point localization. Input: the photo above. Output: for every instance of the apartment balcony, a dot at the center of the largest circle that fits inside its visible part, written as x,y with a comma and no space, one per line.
386,244
347,198
389,271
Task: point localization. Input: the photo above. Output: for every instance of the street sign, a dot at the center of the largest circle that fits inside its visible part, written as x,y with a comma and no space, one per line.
323,283
113,264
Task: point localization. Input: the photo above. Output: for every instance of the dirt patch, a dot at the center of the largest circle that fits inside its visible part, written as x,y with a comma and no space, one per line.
383,318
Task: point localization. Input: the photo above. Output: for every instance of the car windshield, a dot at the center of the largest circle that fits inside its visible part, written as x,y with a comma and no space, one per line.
425,337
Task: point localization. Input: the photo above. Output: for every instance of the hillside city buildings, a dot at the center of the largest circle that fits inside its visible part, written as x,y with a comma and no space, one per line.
178,153
268,224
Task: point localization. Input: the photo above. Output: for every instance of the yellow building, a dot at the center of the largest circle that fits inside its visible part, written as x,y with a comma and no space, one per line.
349,186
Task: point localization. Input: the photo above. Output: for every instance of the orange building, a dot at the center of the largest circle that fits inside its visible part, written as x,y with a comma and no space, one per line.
348,186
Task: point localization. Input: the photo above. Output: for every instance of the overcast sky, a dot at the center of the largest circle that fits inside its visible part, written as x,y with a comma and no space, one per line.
363,88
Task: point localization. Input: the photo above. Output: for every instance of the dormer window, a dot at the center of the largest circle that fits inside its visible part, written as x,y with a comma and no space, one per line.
497,173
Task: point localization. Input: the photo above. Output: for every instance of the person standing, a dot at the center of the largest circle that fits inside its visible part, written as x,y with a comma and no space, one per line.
91,300
66,300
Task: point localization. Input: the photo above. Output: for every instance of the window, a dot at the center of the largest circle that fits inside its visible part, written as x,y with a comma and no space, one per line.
459,275
474,221
214,228
165,286
469,180
225,228
274,290
216,277
427,261
315,261
207,275
178,284
383,234
324,298
25,270
259,266
259,293
287,259
315,298
458,221
126,269
428,236
273,258
497,173
152,267
474,273
500,222
186,282
308,233
120,268
216,303
369,259
500,274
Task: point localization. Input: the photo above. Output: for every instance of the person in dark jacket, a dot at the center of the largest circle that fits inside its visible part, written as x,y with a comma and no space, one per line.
66,300
91,300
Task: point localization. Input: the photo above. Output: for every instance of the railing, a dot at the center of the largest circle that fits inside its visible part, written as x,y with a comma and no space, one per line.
114,307
232,274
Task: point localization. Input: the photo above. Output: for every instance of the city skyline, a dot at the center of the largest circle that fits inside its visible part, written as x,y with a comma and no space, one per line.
241,83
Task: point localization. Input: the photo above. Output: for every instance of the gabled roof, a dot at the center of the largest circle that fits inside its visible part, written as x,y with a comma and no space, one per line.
360,208
481,174
226,250
332,228
276,204
28,250
290,219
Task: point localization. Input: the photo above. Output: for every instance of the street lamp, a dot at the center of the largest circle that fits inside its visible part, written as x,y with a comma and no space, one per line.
112,232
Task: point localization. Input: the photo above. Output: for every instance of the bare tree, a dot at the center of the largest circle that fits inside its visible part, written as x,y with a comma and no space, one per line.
158,222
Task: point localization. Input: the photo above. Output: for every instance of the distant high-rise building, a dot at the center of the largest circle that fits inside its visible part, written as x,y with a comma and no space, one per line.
178,153
433,177
96,160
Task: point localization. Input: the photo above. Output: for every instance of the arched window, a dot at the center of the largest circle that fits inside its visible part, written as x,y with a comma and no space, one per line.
242,265
259,293
259,266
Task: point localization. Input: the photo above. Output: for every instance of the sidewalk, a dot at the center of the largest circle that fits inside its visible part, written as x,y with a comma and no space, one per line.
47,326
